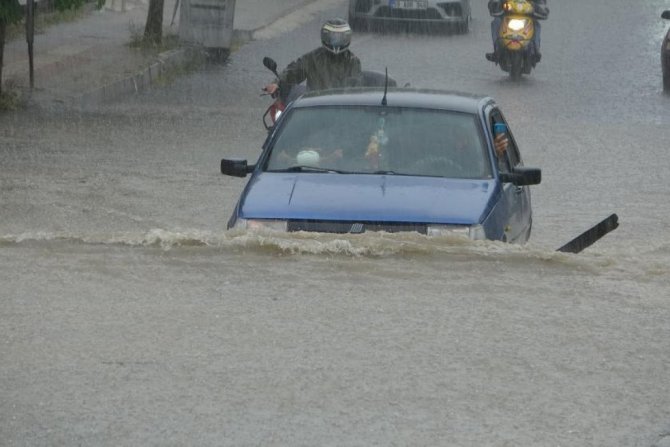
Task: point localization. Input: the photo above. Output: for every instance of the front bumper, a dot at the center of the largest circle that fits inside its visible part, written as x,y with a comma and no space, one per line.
443,12
473,232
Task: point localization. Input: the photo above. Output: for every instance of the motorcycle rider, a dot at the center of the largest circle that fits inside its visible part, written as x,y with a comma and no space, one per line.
328,66
541,12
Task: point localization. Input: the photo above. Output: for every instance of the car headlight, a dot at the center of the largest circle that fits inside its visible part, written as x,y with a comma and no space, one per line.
261,224
474,232
517,24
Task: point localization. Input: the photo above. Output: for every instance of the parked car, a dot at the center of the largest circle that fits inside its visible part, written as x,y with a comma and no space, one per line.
665,55
356,160
455,14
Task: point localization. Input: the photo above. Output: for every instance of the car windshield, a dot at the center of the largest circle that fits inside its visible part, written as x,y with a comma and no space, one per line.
390,140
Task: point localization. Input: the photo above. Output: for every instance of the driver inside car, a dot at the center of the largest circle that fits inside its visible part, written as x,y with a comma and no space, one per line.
464,151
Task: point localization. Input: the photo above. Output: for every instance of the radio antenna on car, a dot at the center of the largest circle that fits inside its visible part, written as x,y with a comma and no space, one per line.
386,85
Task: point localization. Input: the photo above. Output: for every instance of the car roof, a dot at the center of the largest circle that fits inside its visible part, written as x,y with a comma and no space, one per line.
396,97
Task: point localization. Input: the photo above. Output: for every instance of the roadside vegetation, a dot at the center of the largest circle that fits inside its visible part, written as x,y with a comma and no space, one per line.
170,74
10,98
138,40
51,12
10,13
13,26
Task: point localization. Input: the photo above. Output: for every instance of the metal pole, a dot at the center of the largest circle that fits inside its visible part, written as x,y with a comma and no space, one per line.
30,33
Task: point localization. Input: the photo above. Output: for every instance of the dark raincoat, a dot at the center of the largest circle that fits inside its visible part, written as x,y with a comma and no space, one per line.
322,69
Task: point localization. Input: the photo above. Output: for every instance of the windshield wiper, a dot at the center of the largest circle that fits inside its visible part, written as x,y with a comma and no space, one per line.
383,172
302,168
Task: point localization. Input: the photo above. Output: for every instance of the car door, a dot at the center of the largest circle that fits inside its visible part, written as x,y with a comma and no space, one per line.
516,198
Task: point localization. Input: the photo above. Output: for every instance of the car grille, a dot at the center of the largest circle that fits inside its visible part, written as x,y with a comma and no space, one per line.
392,13
352,227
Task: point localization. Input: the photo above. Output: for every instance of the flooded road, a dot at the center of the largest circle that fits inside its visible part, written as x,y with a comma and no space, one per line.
129,316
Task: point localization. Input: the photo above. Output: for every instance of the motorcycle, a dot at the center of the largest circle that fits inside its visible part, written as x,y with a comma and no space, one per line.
516,51
282,98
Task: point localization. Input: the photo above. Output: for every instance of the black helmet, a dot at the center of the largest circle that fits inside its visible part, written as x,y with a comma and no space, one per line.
336,35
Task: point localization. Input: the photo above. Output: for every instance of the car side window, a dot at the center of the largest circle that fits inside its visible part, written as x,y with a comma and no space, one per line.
512,157
512,150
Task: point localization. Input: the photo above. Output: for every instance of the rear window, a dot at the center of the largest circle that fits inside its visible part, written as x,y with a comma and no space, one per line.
375,139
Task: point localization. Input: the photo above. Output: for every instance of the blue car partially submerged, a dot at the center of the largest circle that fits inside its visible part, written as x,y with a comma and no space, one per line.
357,160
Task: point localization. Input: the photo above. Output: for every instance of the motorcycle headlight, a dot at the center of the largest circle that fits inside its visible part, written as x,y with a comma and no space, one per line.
474,232
277,115
517,24
261,224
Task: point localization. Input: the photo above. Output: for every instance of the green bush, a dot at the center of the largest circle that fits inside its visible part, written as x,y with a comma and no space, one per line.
10,11
10,98
64,5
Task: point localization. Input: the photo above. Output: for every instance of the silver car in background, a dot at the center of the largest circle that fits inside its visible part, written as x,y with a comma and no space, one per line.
424,14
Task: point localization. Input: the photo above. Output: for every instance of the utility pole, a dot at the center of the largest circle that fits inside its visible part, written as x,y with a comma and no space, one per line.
30,34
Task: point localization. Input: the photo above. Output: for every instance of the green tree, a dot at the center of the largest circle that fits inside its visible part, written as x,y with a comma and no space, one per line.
10,12
64,5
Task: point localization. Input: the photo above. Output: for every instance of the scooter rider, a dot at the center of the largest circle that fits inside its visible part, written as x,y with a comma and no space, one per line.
329,66
541,12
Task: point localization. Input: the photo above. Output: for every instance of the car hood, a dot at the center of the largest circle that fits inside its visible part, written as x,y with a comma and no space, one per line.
363,197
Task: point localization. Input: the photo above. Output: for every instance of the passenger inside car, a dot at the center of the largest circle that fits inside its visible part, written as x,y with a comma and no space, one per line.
315,146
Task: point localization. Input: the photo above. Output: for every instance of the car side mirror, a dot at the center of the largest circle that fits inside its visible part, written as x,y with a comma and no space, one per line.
522,176
666,14
270,64
236,167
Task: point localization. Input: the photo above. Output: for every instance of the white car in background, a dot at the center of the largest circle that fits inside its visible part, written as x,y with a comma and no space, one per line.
371,14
